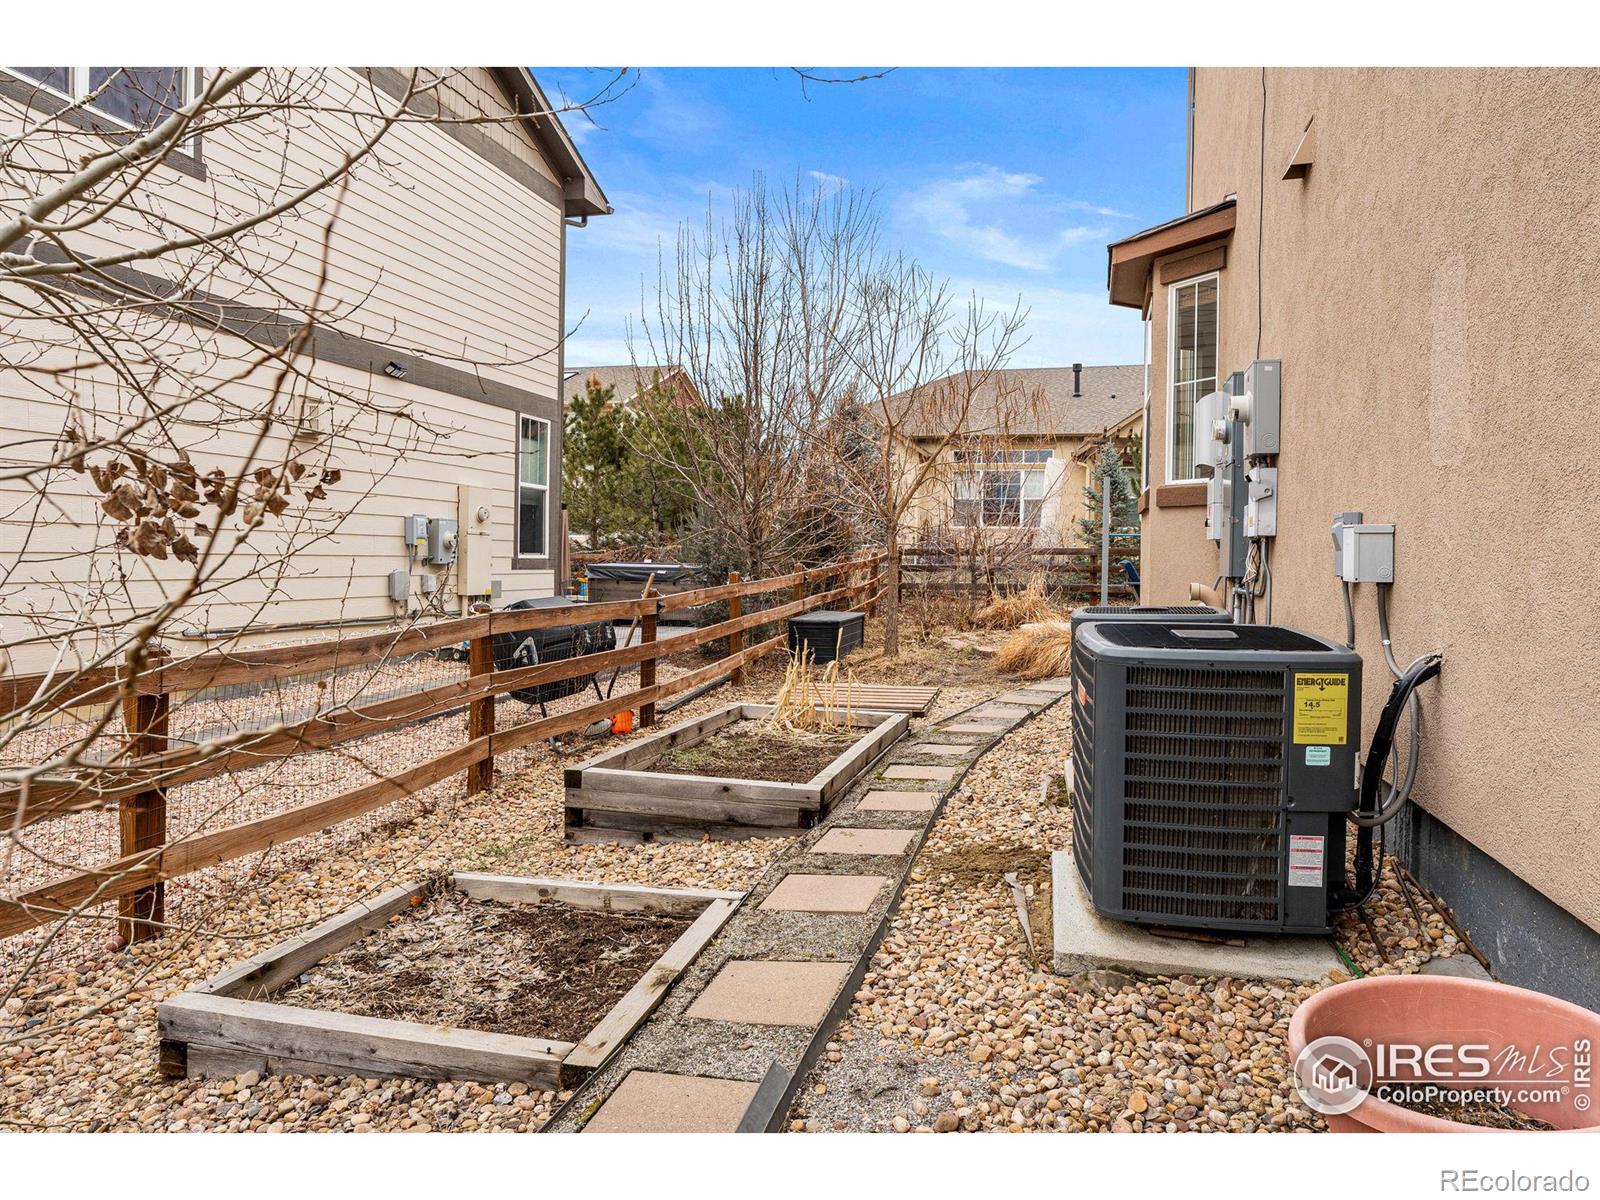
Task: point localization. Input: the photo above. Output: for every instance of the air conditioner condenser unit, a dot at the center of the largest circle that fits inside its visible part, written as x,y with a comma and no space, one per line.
1214,767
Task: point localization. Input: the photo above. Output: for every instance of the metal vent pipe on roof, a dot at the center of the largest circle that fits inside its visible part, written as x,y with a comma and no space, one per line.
1077,380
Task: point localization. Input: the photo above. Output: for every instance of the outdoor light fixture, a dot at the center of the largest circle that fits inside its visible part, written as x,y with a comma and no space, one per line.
394,370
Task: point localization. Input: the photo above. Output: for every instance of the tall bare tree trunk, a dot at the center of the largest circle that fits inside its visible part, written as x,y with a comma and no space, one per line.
891,592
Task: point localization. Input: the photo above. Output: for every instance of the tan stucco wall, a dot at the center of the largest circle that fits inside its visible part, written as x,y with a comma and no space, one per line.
1433,290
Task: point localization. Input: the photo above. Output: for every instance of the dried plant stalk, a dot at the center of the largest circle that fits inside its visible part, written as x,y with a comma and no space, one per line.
811,701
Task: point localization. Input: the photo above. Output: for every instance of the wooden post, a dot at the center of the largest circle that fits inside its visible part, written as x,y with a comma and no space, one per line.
144,816
799,592
480,713
647,668
735,640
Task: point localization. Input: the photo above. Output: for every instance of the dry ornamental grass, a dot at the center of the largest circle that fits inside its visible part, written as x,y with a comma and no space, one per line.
1039,651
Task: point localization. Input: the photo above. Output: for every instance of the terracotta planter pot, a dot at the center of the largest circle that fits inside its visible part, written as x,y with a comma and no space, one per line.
1433,1009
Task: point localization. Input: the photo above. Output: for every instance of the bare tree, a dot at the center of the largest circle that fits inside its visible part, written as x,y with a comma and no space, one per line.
929,378
165,342
759,310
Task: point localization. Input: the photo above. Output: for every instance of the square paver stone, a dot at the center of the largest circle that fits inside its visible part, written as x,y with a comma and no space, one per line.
943,749
865,841
825,893
976,727
898,801
919,771
1001,712
751,992
651,1102
1028,697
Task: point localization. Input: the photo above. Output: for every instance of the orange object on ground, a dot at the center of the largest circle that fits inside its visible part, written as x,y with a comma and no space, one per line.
623,721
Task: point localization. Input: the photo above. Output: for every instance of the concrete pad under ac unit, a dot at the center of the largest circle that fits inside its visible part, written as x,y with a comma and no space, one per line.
1087,941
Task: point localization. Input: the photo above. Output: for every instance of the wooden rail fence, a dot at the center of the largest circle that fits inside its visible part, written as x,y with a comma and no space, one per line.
137,783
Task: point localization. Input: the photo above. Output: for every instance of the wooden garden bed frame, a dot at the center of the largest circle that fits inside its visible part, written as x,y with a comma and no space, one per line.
614,798
225,1026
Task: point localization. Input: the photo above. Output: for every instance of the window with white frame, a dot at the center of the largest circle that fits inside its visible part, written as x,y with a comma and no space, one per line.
533,486
133,97
1191,367
999,489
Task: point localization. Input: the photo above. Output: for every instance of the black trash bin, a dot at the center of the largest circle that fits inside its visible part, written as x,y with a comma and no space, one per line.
529,647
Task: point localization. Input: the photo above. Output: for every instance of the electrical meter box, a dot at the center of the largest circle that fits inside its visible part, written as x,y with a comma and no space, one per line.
1208,448
441,541
474,545
1260,407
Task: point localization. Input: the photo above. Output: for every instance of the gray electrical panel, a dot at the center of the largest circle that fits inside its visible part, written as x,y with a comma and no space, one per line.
1260,407
1261,504
442,541
400,586
417,537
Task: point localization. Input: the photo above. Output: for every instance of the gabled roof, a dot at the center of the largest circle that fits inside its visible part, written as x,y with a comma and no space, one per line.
1038,401
579,186
1128,262
626,381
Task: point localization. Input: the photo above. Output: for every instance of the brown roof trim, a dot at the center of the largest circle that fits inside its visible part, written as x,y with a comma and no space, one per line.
583,195
1129,261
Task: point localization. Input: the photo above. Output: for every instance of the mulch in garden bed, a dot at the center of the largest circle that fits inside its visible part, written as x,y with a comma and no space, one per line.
534,970
744,752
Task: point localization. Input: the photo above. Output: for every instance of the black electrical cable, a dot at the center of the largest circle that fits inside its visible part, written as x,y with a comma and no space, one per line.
1368,813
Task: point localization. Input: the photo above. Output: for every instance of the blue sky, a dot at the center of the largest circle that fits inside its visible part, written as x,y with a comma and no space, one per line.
1008,182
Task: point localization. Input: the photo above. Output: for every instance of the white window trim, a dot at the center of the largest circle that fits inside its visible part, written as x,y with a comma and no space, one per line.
1171,372
1021,470
80,84
516,533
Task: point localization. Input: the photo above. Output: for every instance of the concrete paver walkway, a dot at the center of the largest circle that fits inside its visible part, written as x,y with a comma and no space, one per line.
745,1023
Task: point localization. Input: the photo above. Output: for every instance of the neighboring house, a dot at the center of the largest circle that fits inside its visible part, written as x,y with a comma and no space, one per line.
449,254
628,382
1419,249
1021,471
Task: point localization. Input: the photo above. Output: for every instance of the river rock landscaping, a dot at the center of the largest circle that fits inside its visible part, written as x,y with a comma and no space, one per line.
956,1026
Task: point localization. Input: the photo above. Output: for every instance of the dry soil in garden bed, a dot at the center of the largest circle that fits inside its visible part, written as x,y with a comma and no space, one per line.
743,751
534,970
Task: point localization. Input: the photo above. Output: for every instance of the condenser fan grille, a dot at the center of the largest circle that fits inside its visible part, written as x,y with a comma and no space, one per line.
1082,756
1203,791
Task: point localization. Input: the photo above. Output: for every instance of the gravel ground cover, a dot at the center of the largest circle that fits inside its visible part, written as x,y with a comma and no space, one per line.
957,1028
78,1039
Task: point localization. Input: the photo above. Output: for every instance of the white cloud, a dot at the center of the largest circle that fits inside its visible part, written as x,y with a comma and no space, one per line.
1064,325
948,208
1098,210
833,183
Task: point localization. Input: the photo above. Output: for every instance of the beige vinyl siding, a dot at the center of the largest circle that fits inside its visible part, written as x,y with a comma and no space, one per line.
438,254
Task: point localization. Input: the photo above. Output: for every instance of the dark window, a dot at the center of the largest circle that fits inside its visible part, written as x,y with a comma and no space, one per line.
139,96
533,485
59,78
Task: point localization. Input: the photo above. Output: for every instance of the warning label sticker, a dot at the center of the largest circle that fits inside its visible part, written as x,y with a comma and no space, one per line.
1321,708
1306,853
1319,756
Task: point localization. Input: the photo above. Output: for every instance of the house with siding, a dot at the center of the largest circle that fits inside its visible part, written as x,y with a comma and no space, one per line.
1417,248
437,353
1018,471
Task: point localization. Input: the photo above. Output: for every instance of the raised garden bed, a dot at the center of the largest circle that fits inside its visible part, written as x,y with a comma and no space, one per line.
723,775
485,977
